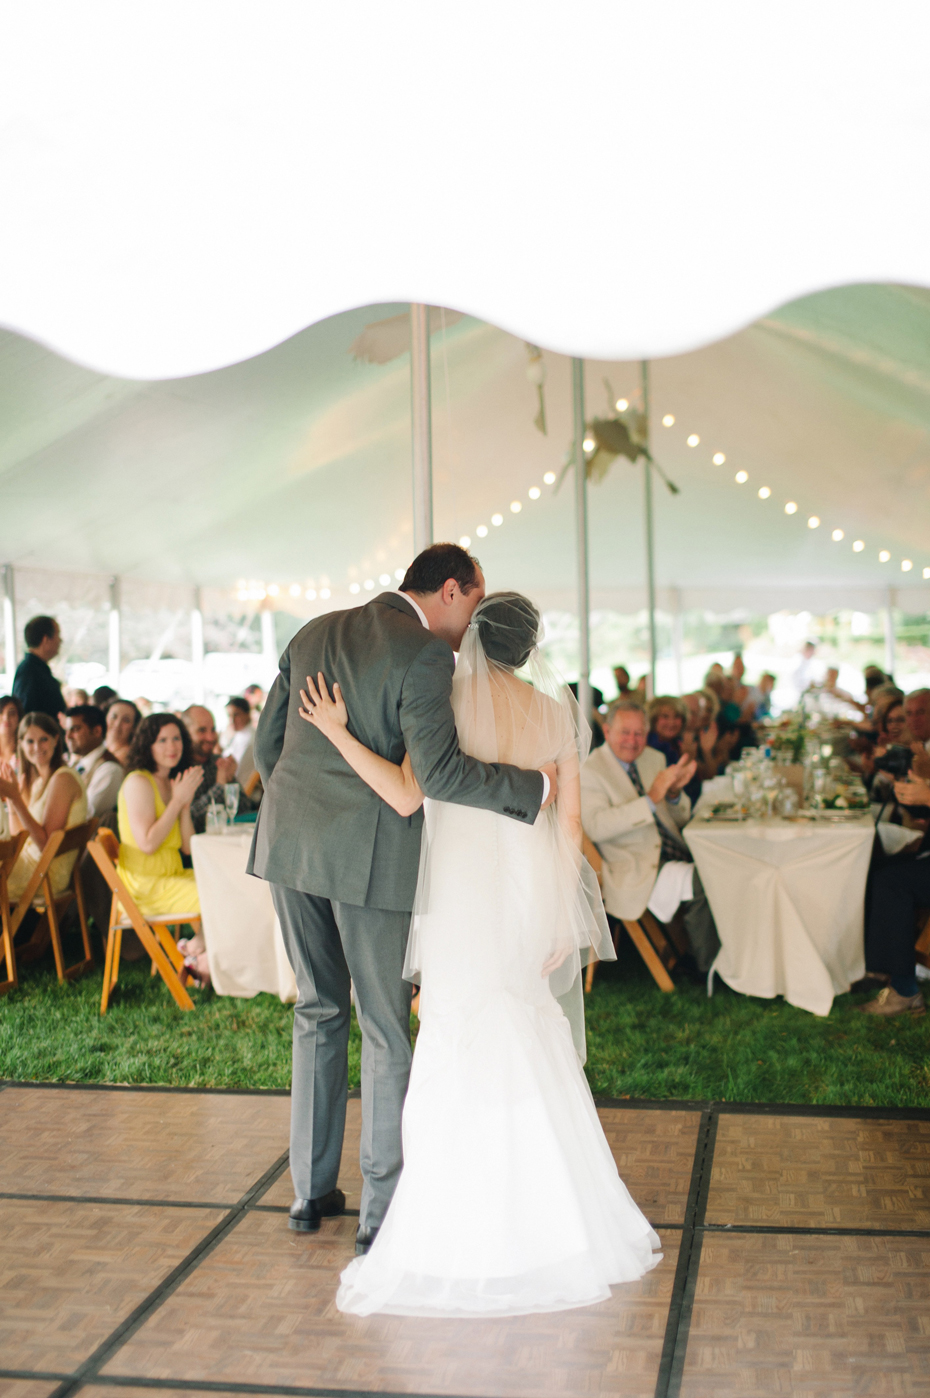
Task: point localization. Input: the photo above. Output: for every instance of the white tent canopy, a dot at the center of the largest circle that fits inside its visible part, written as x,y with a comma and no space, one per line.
294,467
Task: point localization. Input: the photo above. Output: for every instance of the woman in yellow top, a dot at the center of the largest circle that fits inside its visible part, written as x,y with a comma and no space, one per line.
44,797
155,818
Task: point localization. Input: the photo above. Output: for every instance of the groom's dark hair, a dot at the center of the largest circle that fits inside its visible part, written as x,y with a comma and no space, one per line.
433,568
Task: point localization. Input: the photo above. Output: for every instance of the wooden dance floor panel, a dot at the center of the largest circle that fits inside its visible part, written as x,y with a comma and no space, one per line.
144,1250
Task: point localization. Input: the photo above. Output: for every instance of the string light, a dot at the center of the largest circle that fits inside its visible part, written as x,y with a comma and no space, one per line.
719,458
310,594
399,574
273,589
384,579
764,492
589,444
243,594
906,565
353,588
515,507
837,535
497,520
858,546
791,508
482,531
534,492
813,522
621,405
294,589
465,541
694,440
741,477
369,584
549,478
883,556
325,593
668,420
927,572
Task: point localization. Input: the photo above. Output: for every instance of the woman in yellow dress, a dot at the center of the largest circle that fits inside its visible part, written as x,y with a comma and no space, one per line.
155,818
44,797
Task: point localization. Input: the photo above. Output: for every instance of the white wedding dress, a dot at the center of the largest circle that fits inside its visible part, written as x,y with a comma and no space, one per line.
509,1201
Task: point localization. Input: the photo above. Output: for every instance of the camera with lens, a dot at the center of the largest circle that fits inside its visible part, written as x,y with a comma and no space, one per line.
896,761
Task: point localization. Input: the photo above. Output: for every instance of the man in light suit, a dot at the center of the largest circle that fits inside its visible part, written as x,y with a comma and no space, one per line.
343,865
633,807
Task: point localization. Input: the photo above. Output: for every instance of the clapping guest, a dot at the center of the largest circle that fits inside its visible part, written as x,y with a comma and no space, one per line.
102,775
237,742
43,797
123,719
216,770
667,718
10,715
155,823
899,888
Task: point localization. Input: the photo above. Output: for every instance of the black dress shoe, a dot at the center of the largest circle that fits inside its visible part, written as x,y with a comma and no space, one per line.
364,1239
305,1214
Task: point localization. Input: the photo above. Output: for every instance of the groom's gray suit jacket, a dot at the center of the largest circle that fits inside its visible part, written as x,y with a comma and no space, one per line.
320,829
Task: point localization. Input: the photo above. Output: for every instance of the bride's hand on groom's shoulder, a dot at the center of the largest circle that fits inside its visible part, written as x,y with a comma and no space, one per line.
329,714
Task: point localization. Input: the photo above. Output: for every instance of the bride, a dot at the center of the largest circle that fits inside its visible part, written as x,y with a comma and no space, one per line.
509,1201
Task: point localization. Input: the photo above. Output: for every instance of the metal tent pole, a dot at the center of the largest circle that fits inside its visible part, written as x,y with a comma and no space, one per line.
197,645
421,427
9,622
889,632
677,639
114,657
581,542
650,537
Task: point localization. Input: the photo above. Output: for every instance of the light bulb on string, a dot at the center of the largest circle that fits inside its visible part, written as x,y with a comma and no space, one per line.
497,520
549,478
791,508
764,492
858,546
534,492
482,531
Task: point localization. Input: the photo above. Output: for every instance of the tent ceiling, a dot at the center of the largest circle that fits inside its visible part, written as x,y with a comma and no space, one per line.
294,465
185,186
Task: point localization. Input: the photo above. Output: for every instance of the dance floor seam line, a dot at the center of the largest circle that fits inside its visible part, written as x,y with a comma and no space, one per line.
89,1369
123,1200
206,1385
675,1340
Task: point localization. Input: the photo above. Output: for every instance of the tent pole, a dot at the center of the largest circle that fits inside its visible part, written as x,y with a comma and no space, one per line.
9,623
197,645
889,632
650,536
114,659
581,542
421,427
677,637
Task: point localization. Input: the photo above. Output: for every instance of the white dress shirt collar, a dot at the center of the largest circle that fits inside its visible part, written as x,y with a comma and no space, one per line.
416,607
85,763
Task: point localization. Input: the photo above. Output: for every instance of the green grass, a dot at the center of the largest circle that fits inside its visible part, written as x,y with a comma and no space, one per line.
641,1043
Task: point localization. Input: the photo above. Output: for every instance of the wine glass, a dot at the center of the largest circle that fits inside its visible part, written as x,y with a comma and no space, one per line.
232,800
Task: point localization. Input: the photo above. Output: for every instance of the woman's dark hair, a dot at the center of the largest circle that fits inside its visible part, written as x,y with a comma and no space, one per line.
508,625
49,726
8,699
103,696
140,753
436,565
242,705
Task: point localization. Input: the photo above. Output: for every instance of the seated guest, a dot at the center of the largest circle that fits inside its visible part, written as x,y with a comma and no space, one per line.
633,807
256,697
760,697
155,819
10,716
46,796
595,717
889,728
667,718
831,686
917,713
102,775
898,889
237,741
73,696
34,685
103,696
123,718
216,770
622,678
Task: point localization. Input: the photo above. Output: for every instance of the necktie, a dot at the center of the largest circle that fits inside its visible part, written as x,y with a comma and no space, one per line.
672,847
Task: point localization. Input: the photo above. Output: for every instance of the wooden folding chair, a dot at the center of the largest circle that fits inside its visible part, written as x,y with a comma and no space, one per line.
152,933
9,853
252,782
660,947
38,894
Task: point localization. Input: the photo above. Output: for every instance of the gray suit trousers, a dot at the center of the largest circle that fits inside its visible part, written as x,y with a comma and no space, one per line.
327,943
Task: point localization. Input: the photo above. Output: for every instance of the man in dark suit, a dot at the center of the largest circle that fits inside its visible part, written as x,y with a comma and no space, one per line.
343,865
34,685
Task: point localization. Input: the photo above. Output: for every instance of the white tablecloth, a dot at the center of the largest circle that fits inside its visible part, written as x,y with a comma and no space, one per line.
788,899
244,944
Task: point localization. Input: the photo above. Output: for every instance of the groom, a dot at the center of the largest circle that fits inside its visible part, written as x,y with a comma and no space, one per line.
343,865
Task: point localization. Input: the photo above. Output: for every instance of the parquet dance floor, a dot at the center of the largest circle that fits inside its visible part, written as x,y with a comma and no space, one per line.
144,1249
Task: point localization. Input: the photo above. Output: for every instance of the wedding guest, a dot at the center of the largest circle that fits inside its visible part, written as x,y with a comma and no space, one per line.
74,696
899,888
917,713
595,717
831,686
633,807
256,697
622,678
667,718
34,685
44,797
101,773
760,697
805,673
123,719
155,823
237,741
10,715
103,696
216,769
145,706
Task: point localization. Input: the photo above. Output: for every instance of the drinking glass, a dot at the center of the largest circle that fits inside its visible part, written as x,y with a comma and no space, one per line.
216,819
232,800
